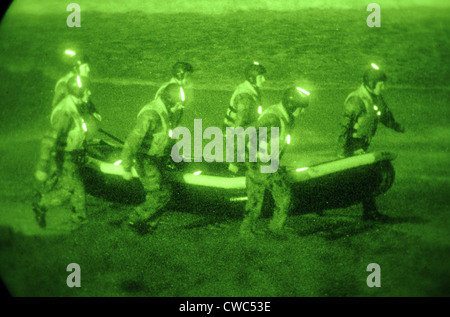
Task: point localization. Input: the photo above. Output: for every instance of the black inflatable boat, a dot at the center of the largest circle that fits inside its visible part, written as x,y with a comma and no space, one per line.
333,184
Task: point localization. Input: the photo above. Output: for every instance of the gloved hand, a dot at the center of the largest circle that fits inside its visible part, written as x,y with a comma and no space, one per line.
233,168
97,116
41,176
359,152
179,106
362,127
127,175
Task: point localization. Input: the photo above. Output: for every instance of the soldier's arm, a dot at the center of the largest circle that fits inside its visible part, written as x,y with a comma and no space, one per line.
243,104
268,121
60,93
146,123
387,118
54,140
92,110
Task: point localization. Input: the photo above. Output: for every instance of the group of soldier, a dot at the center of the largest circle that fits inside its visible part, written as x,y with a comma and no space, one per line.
63,146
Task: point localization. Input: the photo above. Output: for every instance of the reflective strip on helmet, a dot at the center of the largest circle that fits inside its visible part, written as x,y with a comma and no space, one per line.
303,91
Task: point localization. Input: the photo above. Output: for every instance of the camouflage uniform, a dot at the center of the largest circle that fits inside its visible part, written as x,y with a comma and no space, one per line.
243,108
188,91
90,113
242,111
257,183
148,144
362,113
161,89
61,89
62,154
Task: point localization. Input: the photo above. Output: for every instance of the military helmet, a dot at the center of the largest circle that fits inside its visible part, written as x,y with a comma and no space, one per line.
172,94
74,58
253,70
179,70
77,86
295,97
373,75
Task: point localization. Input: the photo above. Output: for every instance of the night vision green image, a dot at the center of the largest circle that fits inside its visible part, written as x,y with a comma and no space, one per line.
205,148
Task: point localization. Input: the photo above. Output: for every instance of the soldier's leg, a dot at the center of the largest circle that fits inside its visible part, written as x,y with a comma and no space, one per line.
370,211
70,189
253,207
281,194
40,204
146,216
78,197
53,192
155,201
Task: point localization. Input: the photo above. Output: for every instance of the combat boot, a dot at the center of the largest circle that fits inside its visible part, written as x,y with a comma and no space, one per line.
143,227
374,215
143,221
245,230
370,210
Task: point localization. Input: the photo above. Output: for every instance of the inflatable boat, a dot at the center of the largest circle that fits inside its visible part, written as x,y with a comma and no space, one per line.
210,186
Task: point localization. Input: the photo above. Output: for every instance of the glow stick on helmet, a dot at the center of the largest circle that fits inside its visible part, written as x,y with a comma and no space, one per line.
256,63
79,81
375,66
303,91
288,139
260,110
69,52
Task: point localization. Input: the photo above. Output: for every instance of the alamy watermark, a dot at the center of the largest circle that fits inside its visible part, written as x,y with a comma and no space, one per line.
74,278
74,19
374,279
374,18
257,146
